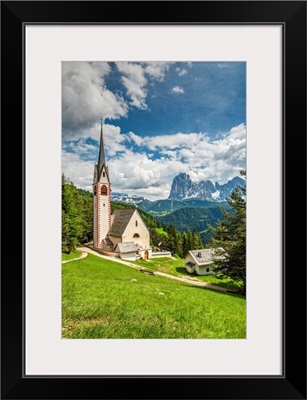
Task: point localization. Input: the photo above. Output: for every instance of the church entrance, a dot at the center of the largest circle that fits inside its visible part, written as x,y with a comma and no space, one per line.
146,255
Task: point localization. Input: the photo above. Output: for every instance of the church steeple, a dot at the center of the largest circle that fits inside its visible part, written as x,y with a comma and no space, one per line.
102,196
101,158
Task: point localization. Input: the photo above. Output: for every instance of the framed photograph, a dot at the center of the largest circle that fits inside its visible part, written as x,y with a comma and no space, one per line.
172,142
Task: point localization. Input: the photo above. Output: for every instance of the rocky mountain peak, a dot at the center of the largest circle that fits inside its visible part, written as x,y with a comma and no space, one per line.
181,185
184,188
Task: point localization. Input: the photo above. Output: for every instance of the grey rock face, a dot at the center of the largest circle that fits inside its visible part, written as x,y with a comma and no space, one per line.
184,188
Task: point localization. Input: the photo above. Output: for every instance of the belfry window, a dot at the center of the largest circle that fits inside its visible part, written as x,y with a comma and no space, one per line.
103,174
104,190
136,235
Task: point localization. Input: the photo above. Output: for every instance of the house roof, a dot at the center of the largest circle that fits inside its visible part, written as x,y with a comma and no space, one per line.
120,221
206,256
127,247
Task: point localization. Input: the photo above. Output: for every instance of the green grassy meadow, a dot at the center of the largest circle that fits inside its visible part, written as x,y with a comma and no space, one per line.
71,255
100,300
176,267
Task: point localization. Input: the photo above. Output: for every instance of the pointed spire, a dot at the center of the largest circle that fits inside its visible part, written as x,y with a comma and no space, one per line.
101,158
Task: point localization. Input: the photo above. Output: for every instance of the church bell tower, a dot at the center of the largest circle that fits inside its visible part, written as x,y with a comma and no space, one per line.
102,196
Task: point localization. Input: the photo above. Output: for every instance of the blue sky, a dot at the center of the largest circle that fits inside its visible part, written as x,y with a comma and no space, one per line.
160,119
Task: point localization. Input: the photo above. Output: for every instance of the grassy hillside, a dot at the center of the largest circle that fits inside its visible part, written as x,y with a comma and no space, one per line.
100,300
71,255
175,266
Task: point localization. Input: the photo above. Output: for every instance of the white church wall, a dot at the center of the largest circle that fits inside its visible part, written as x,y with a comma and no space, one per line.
128,256
161,254
95,238
104,216
102,209
136,227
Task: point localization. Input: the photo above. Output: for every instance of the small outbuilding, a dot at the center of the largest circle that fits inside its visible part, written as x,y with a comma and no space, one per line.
201,262
127,250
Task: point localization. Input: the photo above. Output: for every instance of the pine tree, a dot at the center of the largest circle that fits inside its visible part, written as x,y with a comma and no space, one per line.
173,240
196,240
190,240
230,235
185,246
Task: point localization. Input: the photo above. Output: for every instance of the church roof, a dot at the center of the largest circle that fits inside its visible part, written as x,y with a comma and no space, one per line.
120,221
101,158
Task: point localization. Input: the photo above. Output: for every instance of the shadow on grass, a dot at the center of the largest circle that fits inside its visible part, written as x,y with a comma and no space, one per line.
229,292
229,286
183,271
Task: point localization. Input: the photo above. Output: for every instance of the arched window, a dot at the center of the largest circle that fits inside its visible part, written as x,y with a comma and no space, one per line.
103,174
104,190
136,235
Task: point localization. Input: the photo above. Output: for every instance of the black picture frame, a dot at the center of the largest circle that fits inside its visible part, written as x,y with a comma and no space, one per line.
292,16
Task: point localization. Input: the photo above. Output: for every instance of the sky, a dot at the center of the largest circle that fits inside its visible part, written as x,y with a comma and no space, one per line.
160,119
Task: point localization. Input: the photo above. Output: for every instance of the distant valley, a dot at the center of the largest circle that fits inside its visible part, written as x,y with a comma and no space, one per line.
189,206
185,215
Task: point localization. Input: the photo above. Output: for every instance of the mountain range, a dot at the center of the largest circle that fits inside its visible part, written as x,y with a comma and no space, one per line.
183,188
190,205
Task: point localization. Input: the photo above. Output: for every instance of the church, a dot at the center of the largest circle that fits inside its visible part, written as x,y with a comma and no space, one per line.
122,233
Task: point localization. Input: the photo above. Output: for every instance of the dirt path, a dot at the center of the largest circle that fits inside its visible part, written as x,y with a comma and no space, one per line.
190,281
83,255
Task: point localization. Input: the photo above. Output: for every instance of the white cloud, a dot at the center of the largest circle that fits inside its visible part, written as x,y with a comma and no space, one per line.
157,70
141,175
177,140
195,153
144,175
138,140
85,97
113,139
80,147
135,81
177,89
80,172
181,71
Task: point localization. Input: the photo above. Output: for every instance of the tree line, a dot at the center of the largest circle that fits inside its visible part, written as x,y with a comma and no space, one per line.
77,216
